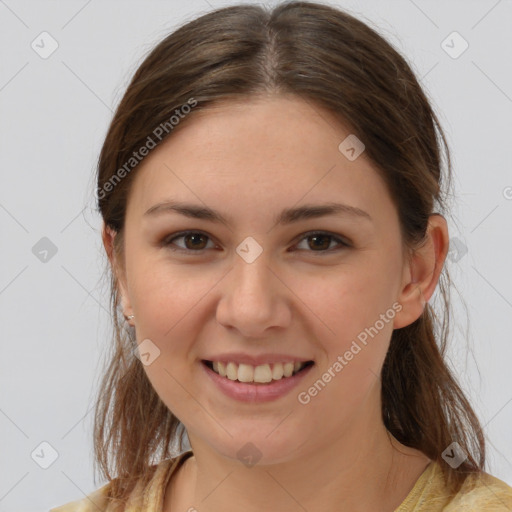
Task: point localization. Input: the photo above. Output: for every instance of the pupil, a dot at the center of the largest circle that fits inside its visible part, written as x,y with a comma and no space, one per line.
324,237
194,236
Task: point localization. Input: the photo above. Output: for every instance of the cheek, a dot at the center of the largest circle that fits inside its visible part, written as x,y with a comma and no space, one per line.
346,300
354,347
353,320
164,294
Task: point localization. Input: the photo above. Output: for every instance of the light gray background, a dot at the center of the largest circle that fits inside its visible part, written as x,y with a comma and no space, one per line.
54,114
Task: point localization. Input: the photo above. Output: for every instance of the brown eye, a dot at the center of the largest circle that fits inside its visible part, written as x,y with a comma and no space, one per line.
194,241
321,242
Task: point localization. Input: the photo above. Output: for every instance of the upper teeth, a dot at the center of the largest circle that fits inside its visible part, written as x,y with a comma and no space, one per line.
262,373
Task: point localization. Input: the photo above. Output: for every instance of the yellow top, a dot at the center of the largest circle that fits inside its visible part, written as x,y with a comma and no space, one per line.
479,492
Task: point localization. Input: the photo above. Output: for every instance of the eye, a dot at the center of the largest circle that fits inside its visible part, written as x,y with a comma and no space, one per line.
196,241
322,240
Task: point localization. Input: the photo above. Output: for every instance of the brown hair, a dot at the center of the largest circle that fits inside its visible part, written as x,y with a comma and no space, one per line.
332,60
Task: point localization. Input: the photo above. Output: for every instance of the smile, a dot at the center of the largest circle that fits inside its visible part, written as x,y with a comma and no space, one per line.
261,374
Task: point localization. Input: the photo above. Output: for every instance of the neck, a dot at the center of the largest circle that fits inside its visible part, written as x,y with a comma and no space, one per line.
364,469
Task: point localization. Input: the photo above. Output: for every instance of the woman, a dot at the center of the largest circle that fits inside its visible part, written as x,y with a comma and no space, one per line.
271,187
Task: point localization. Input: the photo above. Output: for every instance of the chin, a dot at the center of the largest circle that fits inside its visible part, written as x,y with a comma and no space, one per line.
258,449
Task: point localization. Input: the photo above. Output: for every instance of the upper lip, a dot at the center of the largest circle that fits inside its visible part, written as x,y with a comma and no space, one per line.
238,357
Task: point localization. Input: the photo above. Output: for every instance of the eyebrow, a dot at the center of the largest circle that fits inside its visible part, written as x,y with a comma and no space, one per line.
287,216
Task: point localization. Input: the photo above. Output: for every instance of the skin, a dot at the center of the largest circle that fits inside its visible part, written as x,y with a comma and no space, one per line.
250,160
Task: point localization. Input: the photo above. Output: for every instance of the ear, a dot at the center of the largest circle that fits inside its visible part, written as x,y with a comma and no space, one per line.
422,272
108,235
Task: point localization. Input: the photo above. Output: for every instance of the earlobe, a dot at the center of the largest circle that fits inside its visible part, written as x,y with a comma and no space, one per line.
424,269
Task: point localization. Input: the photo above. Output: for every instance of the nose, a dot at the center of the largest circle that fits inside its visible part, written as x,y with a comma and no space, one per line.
254,299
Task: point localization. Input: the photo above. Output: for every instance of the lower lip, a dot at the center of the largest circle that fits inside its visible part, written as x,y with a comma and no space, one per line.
248,392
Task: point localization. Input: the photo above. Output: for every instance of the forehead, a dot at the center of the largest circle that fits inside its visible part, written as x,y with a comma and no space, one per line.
258,155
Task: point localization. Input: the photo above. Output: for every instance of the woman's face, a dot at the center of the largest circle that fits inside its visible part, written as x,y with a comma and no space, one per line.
255,286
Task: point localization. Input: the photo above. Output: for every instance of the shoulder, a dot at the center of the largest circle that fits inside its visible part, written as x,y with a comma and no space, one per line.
482,492
146,495
98,500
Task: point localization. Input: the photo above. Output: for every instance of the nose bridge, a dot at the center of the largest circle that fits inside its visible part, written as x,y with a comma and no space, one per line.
251,302
253,278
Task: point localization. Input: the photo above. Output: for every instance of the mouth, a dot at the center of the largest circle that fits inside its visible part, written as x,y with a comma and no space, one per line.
259,375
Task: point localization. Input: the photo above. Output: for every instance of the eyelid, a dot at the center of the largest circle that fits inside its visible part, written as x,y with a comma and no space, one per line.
343,242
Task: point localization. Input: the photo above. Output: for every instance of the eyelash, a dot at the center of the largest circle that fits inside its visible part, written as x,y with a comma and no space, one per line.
167,242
